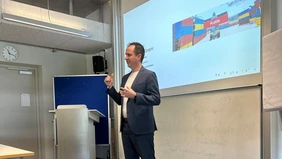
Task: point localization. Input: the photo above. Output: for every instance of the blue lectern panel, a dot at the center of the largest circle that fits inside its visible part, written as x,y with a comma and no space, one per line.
88,90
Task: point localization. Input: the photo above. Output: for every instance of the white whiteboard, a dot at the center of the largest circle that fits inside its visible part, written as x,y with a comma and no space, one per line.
214,125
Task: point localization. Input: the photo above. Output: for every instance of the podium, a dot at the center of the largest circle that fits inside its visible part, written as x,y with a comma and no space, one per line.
74,131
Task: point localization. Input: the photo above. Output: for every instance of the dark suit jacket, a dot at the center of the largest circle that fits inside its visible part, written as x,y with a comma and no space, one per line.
140,110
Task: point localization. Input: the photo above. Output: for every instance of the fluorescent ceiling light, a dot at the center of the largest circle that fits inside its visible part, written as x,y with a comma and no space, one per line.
44,25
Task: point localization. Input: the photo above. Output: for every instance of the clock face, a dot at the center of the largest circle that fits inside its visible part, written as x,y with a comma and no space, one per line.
9,53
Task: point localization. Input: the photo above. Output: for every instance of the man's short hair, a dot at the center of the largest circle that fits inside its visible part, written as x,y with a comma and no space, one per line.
139,49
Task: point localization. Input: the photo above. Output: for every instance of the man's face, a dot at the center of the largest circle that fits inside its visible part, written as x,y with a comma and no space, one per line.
130,57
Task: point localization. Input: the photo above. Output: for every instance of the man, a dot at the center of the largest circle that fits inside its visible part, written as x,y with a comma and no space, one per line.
139,92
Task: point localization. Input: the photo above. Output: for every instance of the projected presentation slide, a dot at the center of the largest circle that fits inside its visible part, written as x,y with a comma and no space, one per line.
189,42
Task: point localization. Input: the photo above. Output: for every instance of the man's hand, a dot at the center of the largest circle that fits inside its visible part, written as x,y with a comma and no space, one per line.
127,92
109,81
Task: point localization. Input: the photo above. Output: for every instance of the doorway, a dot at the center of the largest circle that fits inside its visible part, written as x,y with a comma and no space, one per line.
19,110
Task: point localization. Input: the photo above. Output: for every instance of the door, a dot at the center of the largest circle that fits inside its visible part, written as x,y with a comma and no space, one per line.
18,109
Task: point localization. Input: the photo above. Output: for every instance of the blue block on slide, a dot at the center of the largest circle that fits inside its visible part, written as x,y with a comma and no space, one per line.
244,19
177,30
244,12
186,30
177,26
233,18
177,36
223,26
257,13
198,21
199,32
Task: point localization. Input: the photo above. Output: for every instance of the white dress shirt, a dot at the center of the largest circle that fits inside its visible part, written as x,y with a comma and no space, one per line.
128,83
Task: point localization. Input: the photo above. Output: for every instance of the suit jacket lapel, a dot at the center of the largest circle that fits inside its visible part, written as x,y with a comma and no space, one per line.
125,79
137,77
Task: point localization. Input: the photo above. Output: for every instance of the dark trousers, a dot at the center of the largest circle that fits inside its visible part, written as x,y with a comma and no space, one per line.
136,146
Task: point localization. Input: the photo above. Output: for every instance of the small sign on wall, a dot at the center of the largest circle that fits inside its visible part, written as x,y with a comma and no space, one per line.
25,99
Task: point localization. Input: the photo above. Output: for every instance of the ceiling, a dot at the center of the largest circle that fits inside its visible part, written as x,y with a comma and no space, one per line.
39,37
29,35
81,8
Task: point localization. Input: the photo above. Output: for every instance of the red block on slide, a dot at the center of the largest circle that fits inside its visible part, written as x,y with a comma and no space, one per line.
186,39
199,38
257,4
217,21
188,22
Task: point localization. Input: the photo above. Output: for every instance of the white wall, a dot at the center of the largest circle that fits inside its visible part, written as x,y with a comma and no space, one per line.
276,125
107,18
50,64
276,136
107,14
279,13
279,136
128,5
95,16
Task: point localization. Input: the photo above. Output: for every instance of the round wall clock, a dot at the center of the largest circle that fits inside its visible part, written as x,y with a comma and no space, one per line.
9,53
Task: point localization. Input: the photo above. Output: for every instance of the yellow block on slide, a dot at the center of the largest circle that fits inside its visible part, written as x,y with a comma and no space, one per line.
186,46
258,21
244,15
199,26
